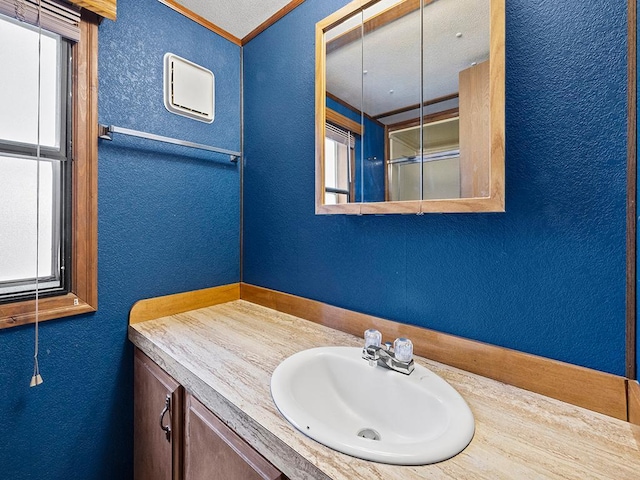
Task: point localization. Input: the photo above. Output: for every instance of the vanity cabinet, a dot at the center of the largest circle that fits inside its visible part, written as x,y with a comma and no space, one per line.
177,438
212,451
157,401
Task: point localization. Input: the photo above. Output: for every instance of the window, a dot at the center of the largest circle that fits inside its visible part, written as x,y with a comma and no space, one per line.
19,168
67,279
339,165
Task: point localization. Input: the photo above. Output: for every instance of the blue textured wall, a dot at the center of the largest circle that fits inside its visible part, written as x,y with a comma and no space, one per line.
167,223
546,277
373,162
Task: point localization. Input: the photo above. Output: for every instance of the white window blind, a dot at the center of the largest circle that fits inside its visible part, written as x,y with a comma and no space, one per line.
29,60
34,154
340,135
56,16
339,147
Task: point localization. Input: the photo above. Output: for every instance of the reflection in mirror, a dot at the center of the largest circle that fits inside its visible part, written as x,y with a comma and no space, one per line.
412,93
343,127
438,165
391,79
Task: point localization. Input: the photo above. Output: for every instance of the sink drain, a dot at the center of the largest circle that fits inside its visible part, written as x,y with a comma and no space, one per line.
369,433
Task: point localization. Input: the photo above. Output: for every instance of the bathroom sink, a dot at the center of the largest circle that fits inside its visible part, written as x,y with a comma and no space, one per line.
335,397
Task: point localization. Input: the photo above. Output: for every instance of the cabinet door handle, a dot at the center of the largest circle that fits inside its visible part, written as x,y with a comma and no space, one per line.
166,428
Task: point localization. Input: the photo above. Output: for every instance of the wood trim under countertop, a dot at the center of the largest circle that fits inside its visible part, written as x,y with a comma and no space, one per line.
633,388
598,391
157,307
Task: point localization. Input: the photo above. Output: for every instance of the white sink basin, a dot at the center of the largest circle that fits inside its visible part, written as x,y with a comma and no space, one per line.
333,396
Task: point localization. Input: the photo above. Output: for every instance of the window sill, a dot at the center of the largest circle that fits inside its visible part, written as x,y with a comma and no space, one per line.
22,313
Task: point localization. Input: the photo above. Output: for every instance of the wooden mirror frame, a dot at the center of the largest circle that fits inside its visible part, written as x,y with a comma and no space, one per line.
493,203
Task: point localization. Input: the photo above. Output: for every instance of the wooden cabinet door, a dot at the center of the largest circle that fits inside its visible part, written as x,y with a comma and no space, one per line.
212,451
157,422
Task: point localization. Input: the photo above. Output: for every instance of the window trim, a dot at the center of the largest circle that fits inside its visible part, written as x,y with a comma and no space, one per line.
83,294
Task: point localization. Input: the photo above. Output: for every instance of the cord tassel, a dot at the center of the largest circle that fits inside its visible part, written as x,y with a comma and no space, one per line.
36,379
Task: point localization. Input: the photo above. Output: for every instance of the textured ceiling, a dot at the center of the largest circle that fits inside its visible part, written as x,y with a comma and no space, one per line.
456,35
238,17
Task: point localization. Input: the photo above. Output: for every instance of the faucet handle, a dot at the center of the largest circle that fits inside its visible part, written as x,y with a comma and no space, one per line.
403,349
372,337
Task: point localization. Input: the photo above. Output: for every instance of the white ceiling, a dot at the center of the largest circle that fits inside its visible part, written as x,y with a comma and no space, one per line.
238,17
456,35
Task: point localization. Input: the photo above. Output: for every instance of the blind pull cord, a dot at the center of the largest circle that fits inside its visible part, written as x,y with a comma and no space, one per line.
36,379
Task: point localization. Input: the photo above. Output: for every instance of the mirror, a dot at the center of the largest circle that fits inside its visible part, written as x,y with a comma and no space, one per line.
410,107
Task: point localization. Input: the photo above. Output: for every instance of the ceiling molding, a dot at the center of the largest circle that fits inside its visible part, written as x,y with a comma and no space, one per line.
426,103
201,21
353,109
377,21
190,14
271,20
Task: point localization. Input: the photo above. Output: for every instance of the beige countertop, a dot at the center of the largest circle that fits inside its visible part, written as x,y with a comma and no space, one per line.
225,354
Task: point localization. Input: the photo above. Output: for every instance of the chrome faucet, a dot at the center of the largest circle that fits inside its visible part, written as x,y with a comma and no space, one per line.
398,357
